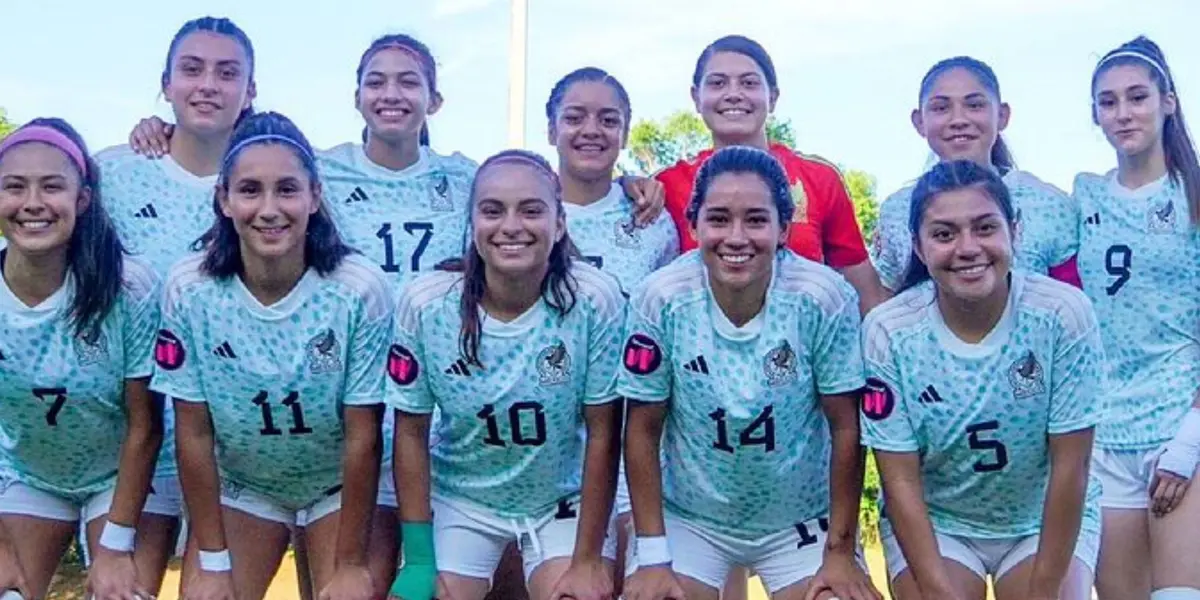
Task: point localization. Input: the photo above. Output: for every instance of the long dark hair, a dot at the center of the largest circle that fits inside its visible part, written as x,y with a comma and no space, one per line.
428,68
558,288
1001,156
218,25
323,245
1180,152
95,255
947,177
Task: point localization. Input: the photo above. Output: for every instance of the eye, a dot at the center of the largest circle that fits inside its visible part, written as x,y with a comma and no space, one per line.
230,73
373,83
411,83
750,83
716,219
533,210
612,122
1139,97
573,119
938,107
1106,103
976,104
289,189
13,187
189,69
248,188
941,235
715,82
53,186
988,227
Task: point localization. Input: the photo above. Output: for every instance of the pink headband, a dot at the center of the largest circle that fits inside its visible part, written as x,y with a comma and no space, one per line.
46,135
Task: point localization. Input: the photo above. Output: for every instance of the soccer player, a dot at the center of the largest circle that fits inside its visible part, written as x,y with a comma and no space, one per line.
984,390
519,350
270,346
960,115
745,360
589,115
161,207
735,89
1139,258
79,425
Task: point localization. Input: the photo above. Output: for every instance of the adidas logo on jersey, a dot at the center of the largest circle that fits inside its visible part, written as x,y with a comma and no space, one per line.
1093,220
147,212
225,351
459,368
697,365
358,195
930,396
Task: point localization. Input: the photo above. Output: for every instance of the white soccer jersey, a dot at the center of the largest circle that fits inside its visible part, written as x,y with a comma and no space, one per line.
511,433
746,442
276,378
605,234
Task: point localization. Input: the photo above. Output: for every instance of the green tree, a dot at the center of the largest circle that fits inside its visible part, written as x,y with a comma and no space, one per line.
655,145
861,186
6,126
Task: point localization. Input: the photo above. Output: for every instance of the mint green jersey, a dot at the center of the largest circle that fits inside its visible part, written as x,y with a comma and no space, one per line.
605,234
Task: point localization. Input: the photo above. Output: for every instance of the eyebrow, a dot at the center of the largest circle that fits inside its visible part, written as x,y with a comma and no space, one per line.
223,62
991,215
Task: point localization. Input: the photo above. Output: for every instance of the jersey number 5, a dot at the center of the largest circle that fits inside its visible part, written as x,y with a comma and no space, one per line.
292,400
389,265
999,458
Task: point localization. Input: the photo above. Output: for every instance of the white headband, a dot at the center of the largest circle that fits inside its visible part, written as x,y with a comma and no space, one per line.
1142,57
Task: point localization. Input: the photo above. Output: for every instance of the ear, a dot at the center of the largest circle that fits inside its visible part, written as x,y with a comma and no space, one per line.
774,99
552,135
251,94
435,104
357,99
918,121
1170,104
318,193
85,200
223,200
783,235
696,98
1005,113
560,229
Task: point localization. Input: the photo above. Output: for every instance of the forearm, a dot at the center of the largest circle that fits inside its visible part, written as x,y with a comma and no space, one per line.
865,281
410,460
908,516
599,479
139,455
1061,518
360,486
847,463
200,482
643,468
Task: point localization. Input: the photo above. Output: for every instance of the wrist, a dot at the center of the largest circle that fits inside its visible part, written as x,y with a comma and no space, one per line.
416,537
118,538
215,561
653,551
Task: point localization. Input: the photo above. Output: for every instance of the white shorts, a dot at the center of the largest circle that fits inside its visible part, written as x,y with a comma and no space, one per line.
259,505
471,542
985,557
1125,476
779,559
622,504
21,499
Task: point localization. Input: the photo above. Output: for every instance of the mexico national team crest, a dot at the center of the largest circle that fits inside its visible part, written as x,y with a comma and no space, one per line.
439,195
626,234
554,364
168,351
91,347
780,365
324,354
800,200
1026,376
1160,218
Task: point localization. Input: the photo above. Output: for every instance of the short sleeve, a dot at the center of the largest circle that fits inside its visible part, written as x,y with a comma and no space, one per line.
176,361
1065,219
1077,386
892,246
407,377
606,329
842,238
645,373
884,419
368,349
838,363
141,302
670,249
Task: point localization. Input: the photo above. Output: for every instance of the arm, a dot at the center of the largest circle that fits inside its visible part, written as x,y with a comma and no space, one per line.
139,452
198,474
909,517
599,478
865,281
1070,456
643,433
410,458
847,464
360,484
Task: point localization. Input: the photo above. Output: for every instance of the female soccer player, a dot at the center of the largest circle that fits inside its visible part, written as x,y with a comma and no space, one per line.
80,427
270,346
520,353
162,207
1139,258
589,115
983,394
735,89
960,115
718,339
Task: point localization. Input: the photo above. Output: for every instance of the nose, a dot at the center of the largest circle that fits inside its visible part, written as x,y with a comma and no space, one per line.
1124,110
590,128
968,245
510,225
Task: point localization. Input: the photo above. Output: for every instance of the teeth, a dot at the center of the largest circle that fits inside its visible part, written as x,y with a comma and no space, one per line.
271,230
736,112
736,259
512,247
35,224
391,112
972,270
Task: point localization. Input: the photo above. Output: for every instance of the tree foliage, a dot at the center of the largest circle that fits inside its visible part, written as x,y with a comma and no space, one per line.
6,126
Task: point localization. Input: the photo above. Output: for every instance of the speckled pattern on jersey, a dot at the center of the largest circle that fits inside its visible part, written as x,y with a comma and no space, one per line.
62,396
605,234
979,414
405,222
1045,230
1139,259
746,441
511,434
159,209
276,379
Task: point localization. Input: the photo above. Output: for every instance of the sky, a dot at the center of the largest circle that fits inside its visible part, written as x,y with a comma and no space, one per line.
848,70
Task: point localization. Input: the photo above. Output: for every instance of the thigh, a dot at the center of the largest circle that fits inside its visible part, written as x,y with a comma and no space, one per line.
789,557
697,556
546,576
508,580
963,567
967,584
157,538
1175,542
556,540
304,579
256,546
476,543
1123,569
321,541
1013,576
40,544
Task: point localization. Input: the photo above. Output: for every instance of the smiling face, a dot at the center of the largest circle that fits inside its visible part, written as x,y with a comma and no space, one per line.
734,98
960,118
269,198
738,230
1130,108
589,130
966,243
516,220
394,95
209,83
41,196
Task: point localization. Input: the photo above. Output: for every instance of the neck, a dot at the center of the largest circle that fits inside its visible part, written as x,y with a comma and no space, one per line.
741,305
396,156
1136,170
581,191
972,320
757,140
506,297
32,279
270,280
199,156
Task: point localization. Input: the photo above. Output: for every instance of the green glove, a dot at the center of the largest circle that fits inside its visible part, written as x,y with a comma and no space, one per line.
417,578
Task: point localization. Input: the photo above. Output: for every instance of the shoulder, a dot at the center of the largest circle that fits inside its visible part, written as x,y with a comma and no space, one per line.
1067,305
681,278
898,199
340,156
1025,181
815,168
455,163
798,276
681,173
1089,183
426,291
898,314
119,158
139,279
364,283
600,290
183,277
